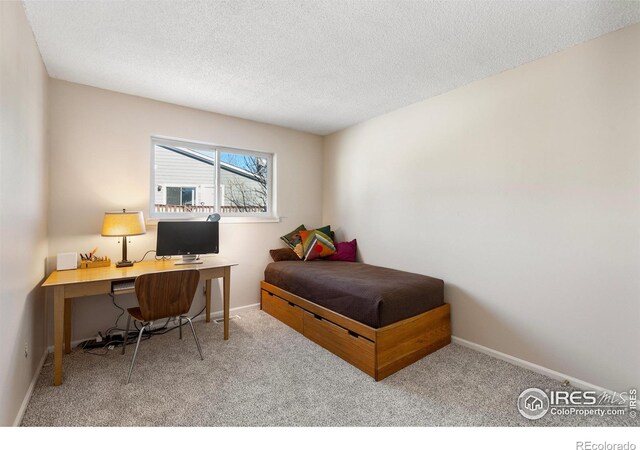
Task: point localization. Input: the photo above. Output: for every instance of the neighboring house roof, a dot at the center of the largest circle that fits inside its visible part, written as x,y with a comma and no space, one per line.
211,161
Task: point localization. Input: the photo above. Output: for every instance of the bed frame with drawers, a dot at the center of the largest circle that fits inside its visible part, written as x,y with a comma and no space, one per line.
379,352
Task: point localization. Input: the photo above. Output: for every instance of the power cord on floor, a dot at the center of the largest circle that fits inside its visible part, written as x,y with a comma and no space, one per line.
133,335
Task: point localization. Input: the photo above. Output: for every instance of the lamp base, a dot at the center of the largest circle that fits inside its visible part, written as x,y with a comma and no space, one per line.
124,264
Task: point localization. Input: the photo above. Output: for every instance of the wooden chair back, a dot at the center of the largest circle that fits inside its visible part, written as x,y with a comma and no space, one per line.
166,294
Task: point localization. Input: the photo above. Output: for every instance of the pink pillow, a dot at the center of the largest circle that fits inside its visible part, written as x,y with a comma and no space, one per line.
345,251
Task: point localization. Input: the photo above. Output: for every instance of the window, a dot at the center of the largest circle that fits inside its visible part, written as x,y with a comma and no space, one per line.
183,196
195,180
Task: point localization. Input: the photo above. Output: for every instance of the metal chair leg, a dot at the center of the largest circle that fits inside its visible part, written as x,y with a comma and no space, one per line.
135,353
180,322
125,337
195,337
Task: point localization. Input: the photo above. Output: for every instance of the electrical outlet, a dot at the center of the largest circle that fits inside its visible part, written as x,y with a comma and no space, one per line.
26,349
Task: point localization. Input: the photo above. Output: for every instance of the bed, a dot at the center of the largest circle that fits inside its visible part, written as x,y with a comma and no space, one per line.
378,319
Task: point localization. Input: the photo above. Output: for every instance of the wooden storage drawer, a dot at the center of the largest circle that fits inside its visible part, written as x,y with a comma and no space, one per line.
282,310
347,345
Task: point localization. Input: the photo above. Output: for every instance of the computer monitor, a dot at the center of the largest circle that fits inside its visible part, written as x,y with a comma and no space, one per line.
187,239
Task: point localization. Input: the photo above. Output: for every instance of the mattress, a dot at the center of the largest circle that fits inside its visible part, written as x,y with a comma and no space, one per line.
375,296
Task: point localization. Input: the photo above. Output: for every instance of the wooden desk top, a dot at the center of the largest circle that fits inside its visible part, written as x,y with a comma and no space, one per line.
63,277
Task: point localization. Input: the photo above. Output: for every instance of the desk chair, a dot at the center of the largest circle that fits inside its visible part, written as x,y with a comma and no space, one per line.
162,295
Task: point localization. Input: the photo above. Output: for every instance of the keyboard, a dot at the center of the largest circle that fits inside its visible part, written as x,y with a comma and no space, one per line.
123,287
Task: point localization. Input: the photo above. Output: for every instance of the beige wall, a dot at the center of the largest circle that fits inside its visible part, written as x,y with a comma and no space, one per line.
522,192
100,161
23,208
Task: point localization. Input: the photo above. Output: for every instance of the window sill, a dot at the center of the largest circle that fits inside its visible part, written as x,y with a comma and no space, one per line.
153,221
240,219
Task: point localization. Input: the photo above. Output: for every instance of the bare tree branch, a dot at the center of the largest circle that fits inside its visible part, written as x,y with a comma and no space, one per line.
248,193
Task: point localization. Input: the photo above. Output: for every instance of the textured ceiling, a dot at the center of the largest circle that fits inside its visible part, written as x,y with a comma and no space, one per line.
317,66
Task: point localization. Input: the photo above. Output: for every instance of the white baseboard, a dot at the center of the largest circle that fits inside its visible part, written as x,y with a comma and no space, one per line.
27,397
214,315
580,384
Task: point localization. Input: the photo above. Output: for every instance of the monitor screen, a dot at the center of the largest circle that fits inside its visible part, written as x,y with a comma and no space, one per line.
187,238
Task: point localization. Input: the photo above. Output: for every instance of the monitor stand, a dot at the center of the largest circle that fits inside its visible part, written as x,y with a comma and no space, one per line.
189,259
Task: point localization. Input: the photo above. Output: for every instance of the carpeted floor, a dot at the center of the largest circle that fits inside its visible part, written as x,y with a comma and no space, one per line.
269,375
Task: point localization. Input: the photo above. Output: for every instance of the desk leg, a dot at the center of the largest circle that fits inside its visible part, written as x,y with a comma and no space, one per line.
67,325
208,302
58,333
226,283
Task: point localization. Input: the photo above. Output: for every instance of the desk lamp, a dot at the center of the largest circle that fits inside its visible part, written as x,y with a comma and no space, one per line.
123,224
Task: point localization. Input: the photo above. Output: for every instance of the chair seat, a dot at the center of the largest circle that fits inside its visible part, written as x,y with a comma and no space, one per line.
136,314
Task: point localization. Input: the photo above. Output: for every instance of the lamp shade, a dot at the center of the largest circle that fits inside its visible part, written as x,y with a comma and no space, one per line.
125,223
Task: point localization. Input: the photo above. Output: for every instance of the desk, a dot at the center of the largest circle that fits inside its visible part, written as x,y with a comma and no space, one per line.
69,284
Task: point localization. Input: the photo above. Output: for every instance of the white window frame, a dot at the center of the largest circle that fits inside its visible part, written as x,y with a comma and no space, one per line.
268,216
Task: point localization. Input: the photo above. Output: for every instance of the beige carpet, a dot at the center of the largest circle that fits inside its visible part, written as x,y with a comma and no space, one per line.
269,375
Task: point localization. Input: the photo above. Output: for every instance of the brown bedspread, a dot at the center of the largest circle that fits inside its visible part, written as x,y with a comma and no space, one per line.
374,296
